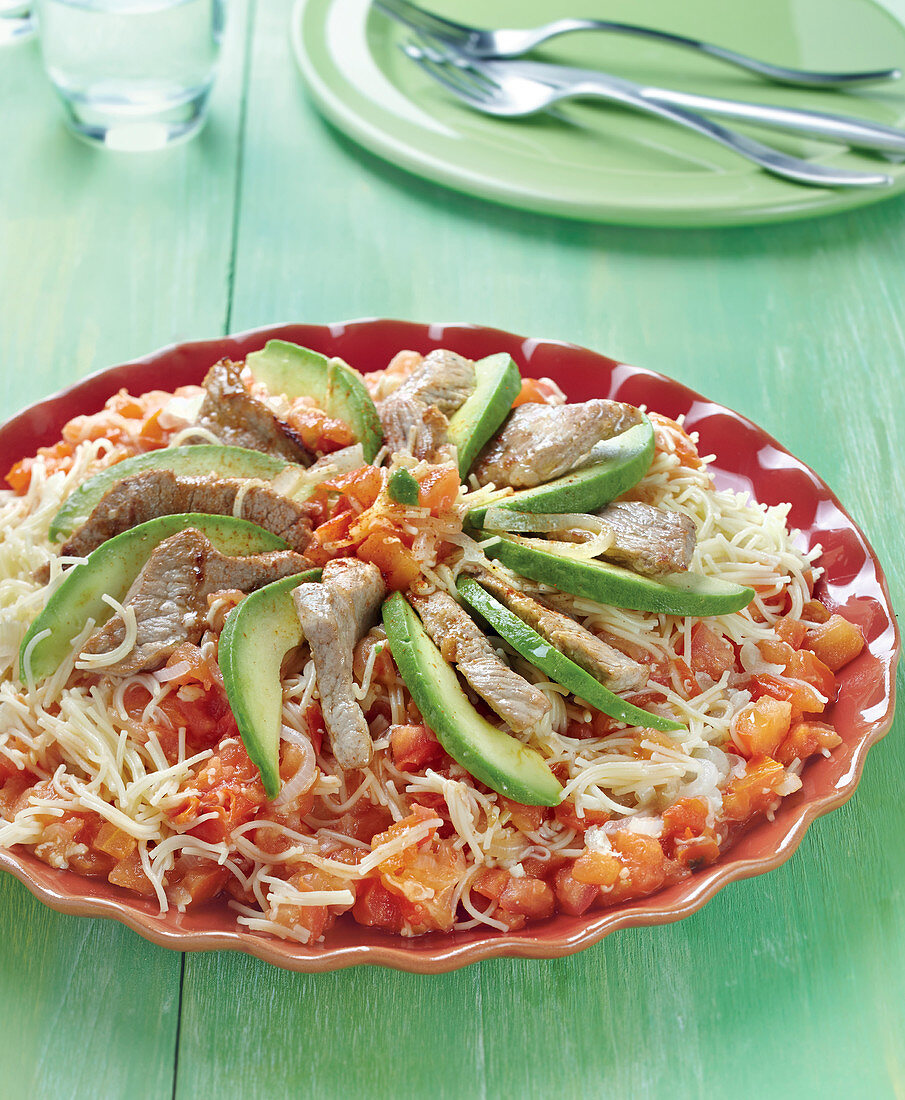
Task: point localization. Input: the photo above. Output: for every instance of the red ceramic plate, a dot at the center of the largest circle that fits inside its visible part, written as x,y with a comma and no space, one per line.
747,458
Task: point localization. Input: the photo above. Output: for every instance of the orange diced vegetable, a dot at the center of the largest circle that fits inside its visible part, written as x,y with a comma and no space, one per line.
755,791
574,897
596,868
394,560
760,726
710,653
114,841
805,738
528,897
835,642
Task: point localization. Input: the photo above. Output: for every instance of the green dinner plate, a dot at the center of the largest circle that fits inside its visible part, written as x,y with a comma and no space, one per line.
595,161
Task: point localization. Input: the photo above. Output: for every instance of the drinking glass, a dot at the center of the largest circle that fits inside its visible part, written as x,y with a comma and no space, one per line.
132,74
16,20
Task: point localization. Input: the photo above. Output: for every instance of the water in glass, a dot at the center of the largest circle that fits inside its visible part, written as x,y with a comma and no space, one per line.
16,22
132,74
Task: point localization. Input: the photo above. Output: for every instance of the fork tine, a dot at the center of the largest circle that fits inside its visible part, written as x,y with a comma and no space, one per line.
452,78
417,19
443,53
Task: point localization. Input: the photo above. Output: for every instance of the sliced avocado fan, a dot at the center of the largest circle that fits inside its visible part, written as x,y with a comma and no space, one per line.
333,385
111,569
490,755
205,459
669,594
619,464
561,669
257,636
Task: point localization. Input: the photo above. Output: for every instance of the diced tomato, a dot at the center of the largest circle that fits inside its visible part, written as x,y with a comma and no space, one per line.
803,697
596,868
815,612
688,815
114,841
130,875
195,880
229,786
792,631
361,486
755,791
201,670
490,882
835,642
438,488
806,738
710,653
376,907
807,666
574,897
567,816
331,538
645,862
760,726
418,815
415,748
57,457
318,431
527,818
536,391
394,560
685,449
696,851
364,821
317,730
528,897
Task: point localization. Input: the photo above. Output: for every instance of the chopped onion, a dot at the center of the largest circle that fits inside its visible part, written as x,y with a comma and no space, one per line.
164,675
580,551
305,777
298,484
497,518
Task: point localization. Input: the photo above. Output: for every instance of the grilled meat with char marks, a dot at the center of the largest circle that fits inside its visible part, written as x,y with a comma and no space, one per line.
335,614
155,493
169,596
230,413
519,703
540,442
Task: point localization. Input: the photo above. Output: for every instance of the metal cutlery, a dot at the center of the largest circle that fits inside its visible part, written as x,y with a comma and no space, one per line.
821,125
480,43
494,88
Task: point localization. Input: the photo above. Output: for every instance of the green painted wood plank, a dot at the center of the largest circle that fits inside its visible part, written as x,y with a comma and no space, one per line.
793,982
102,257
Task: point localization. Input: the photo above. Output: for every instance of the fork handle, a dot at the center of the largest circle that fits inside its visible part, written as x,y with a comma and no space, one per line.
772,160
777,73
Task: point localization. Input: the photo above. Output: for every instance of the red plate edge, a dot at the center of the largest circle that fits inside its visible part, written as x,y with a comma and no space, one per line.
855,583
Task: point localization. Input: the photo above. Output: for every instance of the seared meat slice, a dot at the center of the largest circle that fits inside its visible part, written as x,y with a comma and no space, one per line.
648,539
608,665
335,614
162,493
236,418
414,416
169,596
518,702
539,442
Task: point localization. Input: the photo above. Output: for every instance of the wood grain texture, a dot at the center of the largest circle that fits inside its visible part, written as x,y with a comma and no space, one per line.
102,257
791,984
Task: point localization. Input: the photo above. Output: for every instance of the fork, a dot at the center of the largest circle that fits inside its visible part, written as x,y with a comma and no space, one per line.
483,44
491,87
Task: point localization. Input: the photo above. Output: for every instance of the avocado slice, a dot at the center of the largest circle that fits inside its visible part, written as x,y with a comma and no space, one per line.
619,464
205,459
472,425
111,569
402,487
556,665
671,594
491,756
257,636
335,387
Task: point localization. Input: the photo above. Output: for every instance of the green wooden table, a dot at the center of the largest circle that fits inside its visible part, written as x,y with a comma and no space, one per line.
792,984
